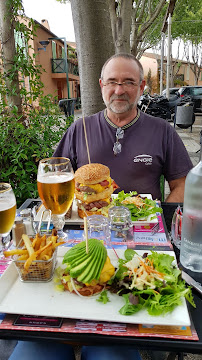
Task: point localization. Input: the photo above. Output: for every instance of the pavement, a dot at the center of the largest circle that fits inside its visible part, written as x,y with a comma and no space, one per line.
191,141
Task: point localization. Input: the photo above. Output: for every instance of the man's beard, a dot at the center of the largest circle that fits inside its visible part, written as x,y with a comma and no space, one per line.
120,108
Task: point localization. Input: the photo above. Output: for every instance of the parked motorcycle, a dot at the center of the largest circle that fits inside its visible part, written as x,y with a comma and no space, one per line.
157,106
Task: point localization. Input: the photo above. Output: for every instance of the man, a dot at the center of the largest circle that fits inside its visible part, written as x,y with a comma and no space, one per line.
137,148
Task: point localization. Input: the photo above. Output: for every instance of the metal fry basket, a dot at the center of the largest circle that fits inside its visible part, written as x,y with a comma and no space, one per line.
39,270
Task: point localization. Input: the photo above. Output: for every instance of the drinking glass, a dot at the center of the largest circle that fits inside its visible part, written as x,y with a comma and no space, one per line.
176,227
55,182
98,228
120,223
7,213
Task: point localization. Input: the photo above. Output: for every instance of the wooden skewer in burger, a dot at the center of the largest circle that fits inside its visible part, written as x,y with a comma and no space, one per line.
88,268
94,186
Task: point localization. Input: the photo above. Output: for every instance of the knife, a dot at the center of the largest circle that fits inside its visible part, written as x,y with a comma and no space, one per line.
189,280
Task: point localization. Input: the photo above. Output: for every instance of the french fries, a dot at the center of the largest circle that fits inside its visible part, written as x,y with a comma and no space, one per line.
28,244
35,259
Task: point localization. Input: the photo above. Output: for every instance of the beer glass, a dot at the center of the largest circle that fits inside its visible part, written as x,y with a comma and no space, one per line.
7,213
55,182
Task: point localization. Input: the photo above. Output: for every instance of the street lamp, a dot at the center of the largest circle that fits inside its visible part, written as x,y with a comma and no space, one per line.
66,61
44,43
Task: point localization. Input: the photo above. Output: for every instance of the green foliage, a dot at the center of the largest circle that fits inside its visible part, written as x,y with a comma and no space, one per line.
26,139
152,35
22,145
186,22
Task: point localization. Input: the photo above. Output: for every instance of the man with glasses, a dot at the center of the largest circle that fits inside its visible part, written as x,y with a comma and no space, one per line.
137,148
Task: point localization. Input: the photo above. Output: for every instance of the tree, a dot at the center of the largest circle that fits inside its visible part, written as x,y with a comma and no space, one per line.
149,81
193,54
105,27
9,55
24,140
94,45
187,26
136,24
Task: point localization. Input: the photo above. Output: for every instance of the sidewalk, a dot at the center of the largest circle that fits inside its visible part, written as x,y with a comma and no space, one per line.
191,141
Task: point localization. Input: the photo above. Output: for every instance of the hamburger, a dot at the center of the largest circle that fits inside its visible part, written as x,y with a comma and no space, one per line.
93,189
86,274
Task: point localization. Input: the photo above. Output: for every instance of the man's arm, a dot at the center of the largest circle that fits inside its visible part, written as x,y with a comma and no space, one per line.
176,190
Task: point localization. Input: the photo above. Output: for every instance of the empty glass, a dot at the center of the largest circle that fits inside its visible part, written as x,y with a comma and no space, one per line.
176,227
98,228
120,223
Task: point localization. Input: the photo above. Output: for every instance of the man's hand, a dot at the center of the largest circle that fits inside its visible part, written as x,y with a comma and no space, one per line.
176,190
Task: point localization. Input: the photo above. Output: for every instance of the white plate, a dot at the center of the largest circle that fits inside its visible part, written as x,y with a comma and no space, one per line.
76,220
41,299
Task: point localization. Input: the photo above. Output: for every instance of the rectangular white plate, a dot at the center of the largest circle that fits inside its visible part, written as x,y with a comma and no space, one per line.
42,299
76,220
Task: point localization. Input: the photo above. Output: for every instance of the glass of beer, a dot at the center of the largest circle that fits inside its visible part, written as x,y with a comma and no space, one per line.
7,213
55,182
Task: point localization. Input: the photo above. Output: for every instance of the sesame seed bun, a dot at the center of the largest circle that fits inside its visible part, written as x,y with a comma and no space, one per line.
92,174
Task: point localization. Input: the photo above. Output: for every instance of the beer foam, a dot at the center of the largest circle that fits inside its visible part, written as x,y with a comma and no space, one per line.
54,177
7,204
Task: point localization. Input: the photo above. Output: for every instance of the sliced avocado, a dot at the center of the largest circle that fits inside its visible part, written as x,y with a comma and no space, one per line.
79,260
89,273
72,255
79,269
74,259
92,272
102,262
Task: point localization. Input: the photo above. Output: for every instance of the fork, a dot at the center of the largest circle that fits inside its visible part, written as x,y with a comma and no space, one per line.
155,229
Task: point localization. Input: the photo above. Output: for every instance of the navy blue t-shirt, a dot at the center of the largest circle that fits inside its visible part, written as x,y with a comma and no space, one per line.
150,148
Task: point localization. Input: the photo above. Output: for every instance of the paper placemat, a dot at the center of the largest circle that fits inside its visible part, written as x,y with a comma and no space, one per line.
105,328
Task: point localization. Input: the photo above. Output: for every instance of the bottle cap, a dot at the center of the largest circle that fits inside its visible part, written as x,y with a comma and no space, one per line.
19,220
25,213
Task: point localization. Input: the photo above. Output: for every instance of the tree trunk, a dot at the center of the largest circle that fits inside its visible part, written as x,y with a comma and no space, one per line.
94,46
8,54
121,25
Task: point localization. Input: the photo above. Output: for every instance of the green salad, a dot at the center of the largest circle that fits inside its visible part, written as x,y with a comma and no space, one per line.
140,208
151,282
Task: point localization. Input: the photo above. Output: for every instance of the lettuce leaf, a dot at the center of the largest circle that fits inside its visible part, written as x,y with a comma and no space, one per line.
167,293
149,207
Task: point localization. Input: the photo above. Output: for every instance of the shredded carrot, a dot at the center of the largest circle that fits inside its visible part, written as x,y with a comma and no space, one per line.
150,269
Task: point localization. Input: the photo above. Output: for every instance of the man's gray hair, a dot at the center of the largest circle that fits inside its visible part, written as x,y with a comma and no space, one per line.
124,56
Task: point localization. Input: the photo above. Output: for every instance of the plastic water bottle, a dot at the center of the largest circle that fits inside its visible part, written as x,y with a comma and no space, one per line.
191,240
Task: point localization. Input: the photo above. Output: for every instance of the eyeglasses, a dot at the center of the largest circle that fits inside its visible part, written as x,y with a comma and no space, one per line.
126,84
117,145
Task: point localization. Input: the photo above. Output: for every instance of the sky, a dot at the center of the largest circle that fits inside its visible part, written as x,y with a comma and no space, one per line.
58,15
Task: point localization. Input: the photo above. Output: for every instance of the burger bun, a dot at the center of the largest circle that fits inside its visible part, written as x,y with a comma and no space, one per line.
92,174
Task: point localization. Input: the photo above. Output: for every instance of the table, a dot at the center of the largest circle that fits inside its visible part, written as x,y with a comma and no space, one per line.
171,345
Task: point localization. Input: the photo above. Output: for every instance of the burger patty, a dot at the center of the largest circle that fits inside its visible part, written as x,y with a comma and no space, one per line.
86,290
88,189
96,204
